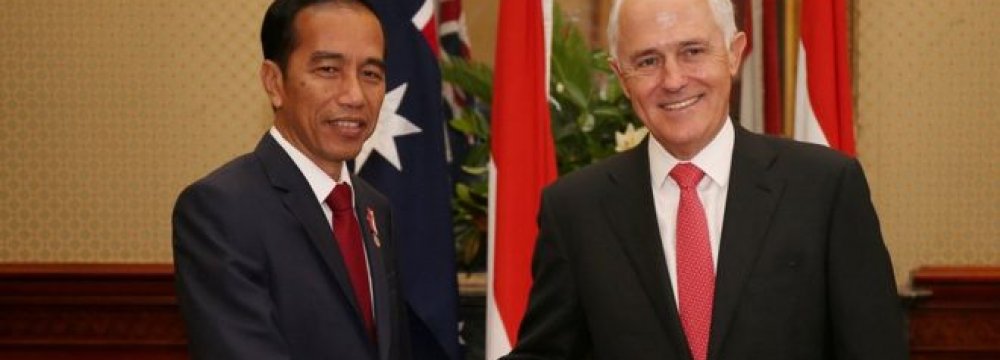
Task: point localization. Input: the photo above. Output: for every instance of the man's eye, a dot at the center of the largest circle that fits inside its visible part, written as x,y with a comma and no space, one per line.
647,63
695,51
327,70
373,75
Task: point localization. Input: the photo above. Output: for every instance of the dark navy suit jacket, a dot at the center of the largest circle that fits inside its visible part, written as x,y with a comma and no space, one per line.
259,274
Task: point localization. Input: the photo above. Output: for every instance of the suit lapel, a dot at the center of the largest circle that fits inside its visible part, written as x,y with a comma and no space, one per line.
299,199
376,261
630,209
753,195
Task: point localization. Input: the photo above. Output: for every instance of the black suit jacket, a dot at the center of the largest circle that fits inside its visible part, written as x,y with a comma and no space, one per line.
802,271
260,276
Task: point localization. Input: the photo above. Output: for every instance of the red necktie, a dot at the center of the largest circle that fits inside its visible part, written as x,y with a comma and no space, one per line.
695,272
348,236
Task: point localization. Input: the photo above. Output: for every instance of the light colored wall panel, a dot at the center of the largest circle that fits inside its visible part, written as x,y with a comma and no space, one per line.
107,109
928,121
481,20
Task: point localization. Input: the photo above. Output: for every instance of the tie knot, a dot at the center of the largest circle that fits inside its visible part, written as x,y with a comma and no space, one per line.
340,198
686,175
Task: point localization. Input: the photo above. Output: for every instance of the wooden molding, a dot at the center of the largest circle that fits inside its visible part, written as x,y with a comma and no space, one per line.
957,315
930,275
472,284
89,311
129,311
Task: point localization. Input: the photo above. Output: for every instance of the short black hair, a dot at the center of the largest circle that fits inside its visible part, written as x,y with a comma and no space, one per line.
277,32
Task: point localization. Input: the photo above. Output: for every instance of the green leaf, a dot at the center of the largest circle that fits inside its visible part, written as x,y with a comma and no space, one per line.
462,192
576,95
476,79
613,93
586,122
480,188
477,156
570,59
564,131
599,60
608,111
464,124
481,126
475,170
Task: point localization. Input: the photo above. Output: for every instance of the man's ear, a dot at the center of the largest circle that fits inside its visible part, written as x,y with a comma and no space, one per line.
621,77
273,81
736,48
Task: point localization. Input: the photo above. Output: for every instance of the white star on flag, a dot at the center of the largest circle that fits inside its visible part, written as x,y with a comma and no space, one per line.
390,125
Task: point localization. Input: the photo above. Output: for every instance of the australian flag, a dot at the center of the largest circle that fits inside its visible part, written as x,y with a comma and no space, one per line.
406,160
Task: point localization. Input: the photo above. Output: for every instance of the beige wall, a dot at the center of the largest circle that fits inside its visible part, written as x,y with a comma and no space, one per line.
108,108
928,117
481,20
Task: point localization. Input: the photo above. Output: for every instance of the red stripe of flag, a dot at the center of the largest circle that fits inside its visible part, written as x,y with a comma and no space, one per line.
522,149
429,30
772,68
824,37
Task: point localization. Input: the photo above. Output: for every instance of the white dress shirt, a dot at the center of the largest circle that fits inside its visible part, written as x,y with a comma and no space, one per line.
322,184
715,160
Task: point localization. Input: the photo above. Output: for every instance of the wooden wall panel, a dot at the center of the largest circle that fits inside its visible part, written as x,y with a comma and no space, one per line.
122,311
957,315
94,311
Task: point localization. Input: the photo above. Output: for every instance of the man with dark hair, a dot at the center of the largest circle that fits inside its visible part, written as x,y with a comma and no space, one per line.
282,253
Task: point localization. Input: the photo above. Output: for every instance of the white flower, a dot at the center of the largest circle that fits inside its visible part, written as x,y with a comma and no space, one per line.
630,138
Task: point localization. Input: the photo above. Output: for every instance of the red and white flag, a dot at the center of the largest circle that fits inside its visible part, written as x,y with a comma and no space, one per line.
523,161
823,107
751,78
760,80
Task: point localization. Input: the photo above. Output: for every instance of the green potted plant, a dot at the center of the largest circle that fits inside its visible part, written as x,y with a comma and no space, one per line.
591,119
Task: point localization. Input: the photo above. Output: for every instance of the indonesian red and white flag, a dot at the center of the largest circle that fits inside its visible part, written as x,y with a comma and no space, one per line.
823,102
760,92
523,161
751,112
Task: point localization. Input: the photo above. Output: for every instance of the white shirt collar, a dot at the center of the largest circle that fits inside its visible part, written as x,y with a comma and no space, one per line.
715,159
320,182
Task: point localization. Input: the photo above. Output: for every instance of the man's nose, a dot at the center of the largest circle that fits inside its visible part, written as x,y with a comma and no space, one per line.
351,94
673,75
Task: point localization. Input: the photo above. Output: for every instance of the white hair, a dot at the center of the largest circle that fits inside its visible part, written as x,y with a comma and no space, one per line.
721,9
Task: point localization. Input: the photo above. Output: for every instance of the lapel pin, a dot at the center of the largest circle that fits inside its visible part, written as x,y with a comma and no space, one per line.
370,215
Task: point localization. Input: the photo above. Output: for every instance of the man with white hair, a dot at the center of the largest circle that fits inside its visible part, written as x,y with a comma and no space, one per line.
707,241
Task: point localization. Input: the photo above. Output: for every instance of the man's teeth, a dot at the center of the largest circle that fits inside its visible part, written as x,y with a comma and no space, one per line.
681,104
347,123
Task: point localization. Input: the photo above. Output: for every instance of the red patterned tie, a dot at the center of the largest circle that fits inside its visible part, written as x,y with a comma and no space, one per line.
695,272
348,236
